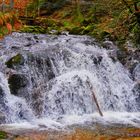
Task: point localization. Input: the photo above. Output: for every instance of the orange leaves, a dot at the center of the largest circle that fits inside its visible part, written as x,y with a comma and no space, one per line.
8,22
17,25
9,27
1,22
18,3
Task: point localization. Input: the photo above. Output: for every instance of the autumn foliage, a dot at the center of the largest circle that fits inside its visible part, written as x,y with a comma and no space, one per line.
8,23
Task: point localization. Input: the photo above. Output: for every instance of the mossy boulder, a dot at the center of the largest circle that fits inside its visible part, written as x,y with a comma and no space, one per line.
15,61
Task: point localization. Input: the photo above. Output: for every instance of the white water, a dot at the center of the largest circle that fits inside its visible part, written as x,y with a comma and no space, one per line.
65,98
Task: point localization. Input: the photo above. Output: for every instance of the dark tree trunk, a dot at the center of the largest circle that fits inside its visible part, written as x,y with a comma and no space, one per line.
11,4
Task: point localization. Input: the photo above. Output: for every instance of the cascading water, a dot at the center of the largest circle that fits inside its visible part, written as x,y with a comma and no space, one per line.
45,77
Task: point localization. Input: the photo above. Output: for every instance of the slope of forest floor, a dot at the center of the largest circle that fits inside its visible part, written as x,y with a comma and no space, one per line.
87,19
101,20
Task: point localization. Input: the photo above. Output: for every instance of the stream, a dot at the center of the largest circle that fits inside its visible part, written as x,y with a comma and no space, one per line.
57,83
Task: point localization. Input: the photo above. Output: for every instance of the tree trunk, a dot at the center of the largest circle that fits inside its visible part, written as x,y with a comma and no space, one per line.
11,4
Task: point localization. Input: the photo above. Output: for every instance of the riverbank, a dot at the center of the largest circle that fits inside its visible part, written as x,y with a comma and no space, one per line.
99,19
83,133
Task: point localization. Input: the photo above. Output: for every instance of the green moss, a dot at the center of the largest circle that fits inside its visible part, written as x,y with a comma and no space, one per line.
15,61
3,135
3,30
33,29
88,29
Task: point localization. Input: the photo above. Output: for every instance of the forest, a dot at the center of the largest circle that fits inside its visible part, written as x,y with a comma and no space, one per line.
118,20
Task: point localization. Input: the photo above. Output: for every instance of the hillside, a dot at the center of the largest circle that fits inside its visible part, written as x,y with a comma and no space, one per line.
115,20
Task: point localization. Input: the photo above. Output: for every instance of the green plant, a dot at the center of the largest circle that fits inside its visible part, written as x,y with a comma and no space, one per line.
3,135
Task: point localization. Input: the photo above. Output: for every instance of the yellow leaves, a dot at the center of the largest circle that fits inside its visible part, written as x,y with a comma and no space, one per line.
7,17
4,18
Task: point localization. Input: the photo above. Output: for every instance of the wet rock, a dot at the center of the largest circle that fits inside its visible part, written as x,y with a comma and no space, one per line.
136,91
2,118
136,54
130,58
15,47
122,56
136,88
41,64
37,102
1,93
109,45
136,72
17,81
96,60
15,61
2,105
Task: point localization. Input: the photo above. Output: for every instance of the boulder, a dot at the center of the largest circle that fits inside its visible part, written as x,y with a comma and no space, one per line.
16,82
1,93
15,61
2,105
136,91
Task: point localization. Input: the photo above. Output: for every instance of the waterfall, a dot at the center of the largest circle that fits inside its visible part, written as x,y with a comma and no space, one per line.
54,77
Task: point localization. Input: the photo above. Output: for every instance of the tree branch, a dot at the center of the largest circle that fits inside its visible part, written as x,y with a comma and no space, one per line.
95,99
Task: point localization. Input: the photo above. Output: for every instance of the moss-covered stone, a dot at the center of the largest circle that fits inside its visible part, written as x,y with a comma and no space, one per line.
15,61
